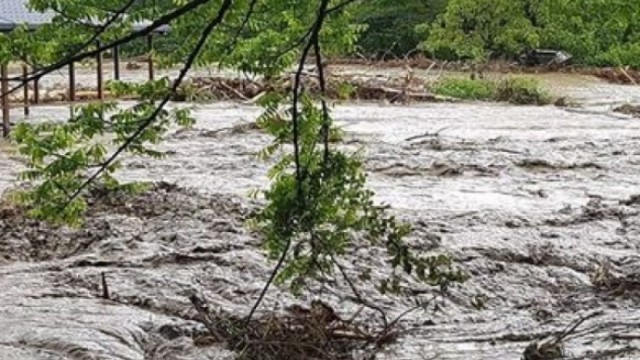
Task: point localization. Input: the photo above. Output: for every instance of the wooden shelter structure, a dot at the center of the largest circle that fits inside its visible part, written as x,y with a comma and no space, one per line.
15,13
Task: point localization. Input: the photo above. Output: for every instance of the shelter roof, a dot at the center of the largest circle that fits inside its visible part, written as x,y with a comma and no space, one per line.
16,12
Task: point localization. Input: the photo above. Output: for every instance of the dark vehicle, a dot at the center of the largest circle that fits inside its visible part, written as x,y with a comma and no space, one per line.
548,58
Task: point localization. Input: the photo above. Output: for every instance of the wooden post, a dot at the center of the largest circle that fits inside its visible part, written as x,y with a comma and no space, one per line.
116,62
25,93
150,45
4,92
72,86
100,85
36,91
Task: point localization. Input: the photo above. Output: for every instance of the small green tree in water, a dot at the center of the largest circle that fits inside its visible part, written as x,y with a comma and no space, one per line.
319,206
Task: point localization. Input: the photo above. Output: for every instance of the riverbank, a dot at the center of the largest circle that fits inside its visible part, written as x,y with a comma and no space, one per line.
395,84
615,75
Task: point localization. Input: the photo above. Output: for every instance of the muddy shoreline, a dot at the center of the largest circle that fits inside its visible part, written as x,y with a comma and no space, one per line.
395,80
538,204
615,75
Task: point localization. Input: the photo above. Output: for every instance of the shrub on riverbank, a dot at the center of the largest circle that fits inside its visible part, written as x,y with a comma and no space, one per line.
522,91
514,90
465,88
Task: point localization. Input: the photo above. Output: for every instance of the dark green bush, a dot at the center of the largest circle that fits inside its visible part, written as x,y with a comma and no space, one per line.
522,91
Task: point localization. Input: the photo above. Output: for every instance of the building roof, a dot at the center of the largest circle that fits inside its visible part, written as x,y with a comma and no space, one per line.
16,12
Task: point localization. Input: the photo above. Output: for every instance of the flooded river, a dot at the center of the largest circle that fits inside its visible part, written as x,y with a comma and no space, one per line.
536,203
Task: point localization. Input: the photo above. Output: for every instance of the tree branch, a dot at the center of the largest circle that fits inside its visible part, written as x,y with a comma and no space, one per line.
224,8
161,21
314,31
323,94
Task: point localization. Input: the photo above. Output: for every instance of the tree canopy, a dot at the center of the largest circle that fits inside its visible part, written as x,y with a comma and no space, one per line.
595,32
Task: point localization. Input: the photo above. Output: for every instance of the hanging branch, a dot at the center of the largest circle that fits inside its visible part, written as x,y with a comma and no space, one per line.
224,8
315,33
163,20
100,30
244,24
323,95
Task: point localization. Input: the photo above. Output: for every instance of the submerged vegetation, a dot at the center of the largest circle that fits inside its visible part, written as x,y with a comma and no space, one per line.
522,91
464,88
514,90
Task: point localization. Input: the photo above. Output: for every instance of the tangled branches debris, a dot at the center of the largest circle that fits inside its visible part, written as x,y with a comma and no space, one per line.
614,75
301,333
553,348
628,109
337,87
609,283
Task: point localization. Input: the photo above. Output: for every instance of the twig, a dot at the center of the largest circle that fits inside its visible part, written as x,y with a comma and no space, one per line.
433,64
626,74
409,53
256,98
359,297
201,307
325,110
571,328
355,315
442,66
428,134
234,91
105,287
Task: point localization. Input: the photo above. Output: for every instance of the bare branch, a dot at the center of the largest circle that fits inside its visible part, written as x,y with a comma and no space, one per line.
323,94
359,299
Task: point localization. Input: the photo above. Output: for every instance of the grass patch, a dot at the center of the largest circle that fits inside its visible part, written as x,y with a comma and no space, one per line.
514,90
465,88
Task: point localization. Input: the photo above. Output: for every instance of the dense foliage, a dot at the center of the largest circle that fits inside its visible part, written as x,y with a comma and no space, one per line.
595,32
330,209
477,29
61,155
391,25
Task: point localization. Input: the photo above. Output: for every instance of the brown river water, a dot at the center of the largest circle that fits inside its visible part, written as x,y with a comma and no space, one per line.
531,201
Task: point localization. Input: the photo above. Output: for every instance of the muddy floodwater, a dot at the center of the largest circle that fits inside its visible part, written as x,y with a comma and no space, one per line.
535,203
